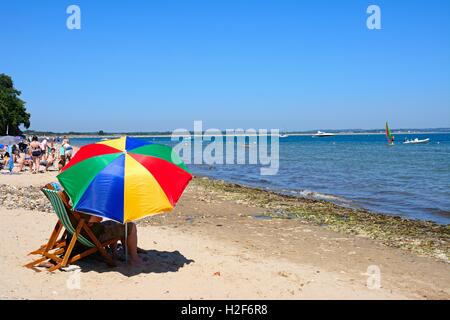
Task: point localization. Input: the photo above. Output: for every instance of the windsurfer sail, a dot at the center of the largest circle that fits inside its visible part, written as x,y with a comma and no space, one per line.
389,135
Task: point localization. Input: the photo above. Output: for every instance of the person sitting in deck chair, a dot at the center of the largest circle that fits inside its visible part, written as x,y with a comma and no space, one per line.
107,230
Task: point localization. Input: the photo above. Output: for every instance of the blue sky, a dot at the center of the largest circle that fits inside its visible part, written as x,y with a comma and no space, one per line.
288,64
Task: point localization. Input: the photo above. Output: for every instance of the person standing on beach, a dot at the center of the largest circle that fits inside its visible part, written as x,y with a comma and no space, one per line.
44,147
36,153
68,150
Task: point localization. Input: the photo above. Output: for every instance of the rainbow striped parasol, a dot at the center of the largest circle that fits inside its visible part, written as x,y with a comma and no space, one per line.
124,179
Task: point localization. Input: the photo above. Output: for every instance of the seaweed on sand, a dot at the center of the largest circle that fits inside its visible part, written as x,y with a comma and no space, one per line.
424,238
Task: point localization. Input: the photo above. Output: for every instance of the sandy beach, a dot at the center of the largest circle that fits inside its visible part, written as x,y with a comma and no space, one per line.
227,242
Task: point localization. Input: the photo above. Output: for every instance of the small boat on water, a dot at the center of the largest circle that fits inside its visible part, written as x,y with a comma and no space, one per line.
284,135
417,141
321,134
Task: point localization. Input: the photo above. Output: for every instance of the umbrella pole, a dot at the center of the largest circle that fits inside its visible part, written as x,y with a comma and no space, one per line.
126,243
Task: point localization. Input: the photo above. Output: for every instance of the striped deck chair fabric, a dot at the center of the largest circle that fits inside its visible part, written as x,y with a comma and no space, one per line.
61,212
60,251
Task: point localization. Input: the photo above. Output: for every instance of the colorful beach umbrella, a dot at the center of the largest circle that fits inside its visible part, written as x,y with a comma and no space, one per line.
124,179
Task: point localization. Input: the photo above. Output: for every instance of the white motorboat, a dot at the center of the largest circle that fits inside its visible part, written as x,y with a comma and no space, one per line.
284,135
321,134
417,141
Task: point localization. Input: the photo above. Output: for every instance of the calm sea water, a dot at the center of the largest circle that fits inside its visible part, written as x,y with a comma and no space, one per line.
412,181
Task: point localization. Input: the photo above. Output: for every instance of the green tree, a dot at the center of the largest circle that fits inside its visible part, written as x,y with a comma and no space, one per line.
13,113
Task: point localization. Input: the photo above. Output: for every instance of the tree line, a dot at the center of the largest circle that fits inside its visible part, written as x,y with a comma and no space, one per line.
13,113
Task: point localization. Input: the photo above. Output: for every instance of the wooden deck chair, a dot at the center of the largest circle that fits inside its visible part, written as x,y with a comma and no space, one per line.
58,251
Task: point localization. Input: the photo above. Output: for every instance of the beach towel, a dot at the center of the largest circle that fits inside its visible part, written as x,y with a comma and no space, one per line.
56,186
11,159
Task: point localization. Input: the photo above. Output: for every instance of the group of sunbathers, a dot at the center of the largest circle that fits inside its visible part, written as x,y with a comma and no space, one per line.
35,153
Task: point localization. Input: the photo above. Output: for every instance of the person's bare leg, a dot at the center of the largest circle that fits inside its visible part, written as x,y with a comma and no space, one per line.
37,164
132,246
37,161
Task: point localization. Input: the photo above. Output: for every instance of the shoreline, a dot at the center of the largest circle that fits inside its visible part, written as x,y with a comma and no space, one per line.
334,199
394,231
